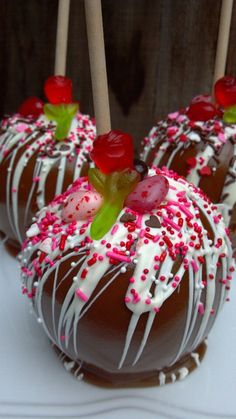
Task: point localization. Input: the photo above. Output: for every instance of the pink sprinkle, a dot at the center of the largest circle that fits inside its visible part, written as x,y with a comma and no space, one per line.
173,115
181,194
139,221
127,300
114,229
121,258
21,127
62,338
54,243
156,309
170,222
156,238
132,280
36,179
142,233
194,265
186,211
100,258
148,301
216,219
181,118
201,309
81,295
14,190
221,137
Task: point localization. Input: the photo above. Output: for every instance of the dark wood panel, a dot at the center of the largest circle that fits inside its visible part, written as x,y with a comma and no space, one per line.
231,58
160,53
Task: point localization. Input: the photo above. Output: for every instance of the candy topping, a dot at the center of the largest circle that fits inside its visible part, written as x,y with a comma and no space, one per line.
81,205
113,152
201,111
148,194
141,167
225,91
32,106
114,188
58,89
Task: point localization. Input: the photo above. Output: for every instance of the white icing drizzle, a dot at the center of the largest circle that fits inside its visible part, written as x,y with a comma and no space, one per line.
168,134
23,139
195,356
183,372
152,257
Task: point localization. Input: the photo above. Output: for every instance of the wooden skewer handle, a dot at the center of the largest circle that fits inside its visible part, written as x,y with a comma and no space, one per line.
97,58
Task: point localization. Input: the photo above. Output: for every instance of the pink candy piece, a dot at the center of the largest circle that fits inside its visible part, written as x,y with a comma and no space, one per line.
81,205
148,194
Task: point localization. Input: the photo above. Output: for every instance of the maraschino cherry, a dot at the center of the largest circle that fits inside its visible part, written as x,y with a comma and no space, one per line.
225,91
58,90
32,106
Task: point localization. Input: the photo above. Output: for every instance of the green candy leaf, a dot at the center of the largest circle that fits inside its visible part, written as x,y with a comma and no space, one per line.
97,179
230,115
63,115
114,187
105,218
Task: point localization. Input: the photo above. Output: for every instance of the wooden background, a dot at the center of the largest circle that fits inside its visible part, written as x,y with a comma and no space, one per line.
160,53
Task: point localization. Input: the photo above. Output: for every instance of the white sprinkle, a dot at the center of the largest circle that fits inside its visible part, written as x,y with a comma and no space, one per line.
123,269
73,264
33,230
75,278
39,320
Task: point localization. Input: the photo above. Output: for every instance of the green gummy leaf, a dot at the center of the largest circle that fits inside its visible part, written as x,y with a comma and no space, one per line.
114,188
97,179
63,115
230,115
105,218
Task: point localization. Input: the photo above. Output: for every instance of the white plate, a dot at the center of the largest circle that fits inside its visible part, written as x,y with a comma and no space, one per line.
33,383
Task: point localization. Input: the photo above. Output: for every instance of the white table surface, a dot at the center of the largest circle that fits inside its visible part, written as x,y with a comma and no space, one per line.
34,384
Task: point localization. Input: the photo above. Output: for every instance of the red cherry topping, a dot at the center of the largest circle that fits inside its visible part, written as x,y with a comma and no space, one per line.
58,90
113,152
191,162
32,106
201,111
205,171
225,91
148,194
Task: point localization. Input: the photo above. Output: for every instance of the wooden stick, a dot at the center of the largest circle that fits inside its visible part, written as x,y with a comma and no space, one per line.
62,36
223,39
97,58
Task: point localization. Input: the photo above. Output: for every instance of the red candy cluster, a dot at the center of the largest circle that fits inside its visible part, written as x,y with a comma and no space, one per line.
225,91
32,106
113,152
202,109
58,90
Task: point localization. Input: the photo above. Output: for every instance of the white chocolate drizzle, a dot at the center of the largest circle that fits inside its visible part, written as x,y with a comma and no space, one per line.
24,141
151,257
177,133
